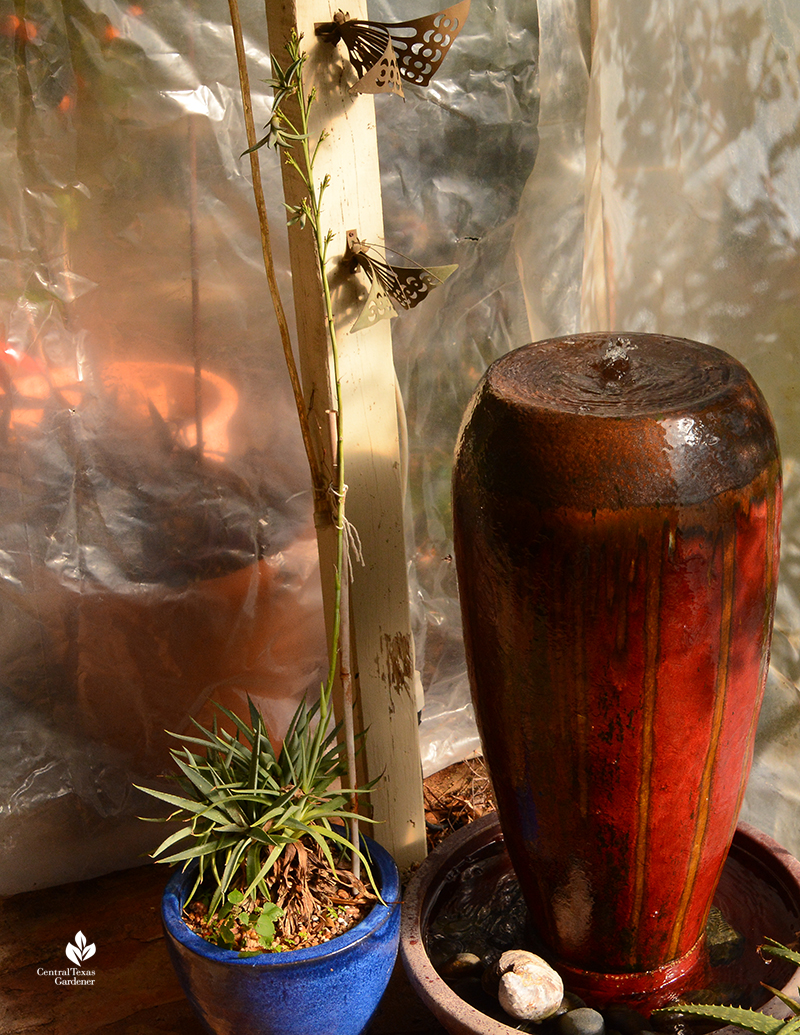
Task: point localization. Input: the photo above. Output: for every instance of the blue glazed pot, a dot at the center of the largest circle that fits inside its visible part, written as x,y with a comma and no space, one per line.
333,988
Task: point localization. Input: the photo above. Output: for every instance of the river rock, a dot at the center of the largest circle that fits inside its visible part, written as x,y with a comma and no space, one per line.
584,1021
463,964
529,988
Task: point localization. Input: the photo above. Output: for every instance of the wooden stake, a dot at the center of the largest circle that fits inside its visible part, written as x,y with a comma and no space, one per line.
382,643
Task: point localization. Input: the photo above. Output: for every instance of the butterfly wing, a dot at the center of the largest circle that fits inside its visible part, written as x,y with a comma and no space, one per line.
383,273
422,44
417,283
407,285
383,77
378,306
366,43
410,50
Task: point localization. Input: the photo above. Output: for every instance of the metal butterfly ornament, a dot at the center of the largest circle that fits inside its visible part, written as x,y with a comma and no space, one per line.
405,285
383,55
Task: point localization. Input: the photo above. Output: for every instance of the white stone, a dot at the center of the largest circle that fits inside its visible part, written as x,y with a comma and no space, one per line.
530,989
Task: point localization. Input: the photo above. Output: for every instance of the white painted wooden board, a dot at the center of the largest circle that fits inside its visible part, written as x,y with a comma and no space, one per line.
379,593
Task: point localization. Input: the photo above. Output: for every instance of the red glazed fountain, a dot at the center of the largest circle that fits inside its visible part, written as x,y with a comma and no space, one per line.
616,513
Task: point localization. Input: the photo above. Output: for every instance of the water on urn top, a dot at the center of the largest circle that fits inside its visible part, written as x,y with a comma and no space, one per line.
619,375
613,420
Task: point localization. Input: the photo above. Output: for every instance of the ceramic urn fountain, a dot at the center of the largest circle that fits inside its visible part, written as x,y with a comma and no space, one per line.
617,509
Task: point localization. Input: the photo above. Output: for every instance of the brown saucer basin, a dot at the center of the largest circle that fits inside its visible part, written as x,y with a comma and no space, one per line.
759,893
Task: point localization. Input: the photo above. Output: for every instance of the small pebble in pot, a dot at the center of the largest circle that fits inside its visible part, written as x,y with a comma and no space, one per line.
529,988
463,964
570,1002
583,1021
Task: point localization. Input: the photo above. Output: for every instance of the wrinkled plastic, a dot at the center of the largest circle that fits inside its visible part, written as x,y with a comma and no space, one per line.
156,548
131,275
454,161
157,551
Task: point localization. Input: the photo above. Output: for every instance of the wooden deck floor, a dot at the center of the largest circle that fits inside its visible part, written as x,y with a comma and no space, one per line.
135,991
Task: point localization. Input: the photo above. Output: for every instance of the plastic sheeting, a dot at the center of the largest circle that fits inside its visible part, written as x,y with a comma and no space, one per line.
156,548
664,196
659,191
454,160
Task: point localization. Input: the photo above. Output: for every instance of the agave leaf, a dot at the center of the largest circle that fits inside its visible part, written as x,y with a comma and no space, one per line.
298,720
750,1020
330,808
270,861
321,835
793,1004
240,725
306,764
252,775
232,862
203,742
776,949
197,882
332,741
321,838
214,739
332,761
209,848
256,718
194,775
186,804
275,810
269,783
289,759
168,842
246,796
244,804
257,722
233,829
320,710
264,838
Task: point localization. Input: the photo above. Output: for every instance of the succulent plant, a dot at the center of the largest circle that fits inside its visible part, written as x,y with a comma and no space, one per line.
741,1017
244,809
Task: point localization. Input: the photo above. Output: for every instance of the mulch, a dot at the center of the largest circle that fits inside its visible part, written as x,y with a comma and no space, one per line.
455,796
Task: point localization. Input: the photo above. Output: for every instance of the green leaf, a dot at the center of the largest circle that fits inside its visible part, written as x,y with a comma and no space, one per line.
168,842
750,1020
196,778
774,948
209,848
264,926
196,808
227,936
793,1004
265,869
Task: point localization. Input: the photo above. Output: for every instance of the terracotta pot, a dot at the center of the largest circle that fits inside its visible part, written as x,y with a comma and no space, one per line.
137,387
616,511
149,656
759,894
